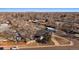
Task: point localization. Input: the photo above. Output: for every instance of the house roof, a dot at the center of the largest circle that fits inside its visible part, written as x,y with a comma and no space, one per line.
42,32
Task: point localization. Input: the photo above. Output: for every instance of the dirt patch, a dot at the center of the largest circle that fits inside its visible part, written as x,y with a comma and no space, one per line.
62,40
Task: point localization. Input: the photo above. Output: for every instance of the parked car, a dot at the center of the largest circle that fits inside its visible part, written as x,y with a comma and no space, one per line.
13,48
1,48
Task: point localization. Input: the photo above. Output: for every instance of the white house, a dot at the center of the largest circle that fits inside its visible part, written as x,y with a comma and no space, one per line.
4,27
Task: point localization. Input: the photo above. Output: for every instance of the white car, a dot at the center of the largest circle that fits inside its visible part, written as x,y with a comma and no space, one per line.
13,48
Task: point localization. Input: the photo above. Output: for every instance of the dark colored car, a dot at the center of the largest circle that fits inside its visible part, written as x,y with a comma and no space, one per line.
1,48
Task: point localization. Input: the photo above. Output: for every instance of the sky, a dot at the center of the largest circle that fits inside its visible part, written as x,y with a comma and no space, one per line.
39,9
